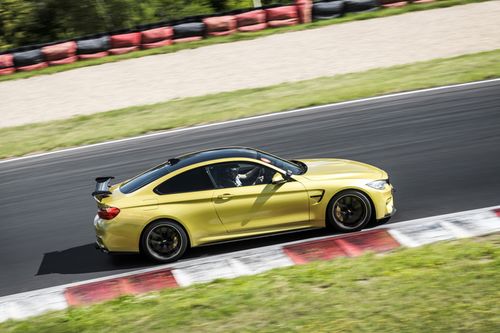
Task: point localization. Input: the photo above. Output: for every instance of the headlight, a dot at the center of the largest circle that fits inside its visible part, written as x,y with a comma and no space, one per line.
379,184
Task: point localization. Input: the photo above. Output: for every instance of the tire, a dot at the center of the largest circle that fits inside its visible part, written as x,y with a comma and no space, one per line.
349,211
159,236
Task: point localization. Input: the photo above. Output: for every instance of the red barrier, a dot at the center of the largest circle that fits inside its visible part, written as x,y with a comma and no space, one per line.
125,43
93,55
188,39
123,50
251,21
156,35
304,9
32,67
282,16
220,25
393,3
7,71
251,28
59,51
6,60
157,44
64,61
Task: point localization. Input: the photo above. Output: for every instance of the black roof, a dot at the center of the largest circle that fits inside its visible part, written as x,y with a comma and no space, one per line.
214,154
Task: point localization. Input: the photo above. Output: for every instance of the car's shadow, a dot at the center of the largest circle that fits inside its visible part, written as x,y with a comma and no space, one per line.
86,259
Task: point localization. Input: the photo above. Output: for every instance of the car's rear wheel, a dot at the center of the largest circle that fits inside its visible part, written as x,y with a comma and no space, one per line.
164,241
349,211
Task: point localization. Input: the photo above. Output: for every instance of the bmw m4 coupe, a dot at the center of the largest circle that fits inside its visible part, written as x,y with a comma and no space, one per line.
227,193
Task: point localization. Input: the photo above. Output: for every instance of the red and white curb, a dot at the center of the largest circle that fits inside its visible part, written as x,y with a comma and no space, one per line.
384,238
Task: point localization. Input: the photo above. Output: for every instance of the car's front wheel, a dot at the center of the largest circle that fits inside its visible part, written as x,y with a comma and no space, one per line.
349,211
164,241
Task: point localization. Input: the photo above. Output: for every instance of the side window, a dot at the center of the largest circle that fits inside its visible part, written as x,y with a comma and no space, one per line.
189,181
236,174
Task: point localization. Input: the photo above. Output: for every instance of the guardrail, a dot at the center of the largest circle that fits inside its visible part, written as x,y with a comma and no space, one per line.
189,29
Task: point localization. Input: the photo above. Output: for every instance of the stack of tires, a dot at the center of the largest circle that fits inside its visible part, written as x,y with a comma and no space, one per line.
125,43
188,32
282,16
60,54
156,37
220,25
6,64
93,48
29,60
328,10
254,20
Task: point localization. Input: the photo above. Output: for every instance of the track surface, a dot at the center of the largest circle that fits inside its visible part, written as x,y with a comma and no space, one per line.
441,148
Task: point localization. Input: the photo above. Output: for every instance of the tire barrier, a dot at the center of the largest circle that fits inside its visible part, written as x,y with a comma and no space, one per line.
327,10
59,54
29,60
125,43
6,64
220,25
93,48
187,32
361,5
156,37
282,16
251,21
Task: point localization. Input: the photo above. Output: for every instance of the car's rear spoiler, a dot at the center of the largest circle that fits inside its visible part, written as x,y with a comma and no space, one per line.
102,188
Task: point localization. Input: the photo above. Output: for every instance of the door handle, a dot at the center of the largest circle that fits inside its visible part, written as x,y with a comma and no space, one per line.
225,196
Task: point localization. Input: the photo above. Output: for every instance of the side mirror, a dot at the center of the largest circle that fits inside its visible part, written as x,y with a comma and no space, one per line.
278,179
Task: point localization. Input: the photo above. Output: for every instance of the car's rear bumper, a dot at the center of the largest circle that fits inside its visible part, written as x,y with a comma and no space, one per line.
115,235
99,245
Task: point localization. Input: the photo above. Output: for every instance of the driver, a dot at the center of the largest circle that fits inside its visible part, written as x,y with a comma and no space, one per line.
233,178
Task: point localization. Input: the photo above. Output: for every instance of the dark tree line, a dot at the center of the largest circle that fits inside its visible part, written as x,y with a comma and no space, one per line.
24,22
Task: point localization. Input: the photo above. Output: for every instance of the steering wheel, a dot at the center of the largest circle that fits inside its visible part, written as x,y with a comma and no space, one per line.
260,177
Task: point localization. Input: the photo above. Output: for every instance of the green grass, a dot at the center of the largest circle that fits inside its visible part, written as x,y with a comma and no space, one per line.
21,140
240,36
444,287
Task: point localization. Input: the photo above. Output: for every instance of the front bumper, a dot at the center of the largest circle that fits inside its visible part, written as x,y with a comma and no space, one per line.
384,202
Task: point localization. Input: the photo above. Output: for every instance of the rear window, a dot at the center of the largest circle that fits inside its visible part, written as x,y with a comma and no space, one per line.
189,181
145,178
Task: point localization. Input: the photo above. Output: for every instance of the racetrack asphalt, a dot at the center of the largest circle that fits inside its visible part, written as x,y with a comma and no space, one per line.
441,149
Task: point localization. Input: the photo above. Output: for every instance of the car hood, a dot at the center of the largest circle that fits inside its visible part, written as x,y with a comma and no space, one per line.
318,169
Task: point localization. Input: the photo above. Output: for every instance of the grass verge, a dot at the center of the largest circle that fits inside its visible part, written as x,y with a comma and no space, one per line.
21,140
241,36
444,287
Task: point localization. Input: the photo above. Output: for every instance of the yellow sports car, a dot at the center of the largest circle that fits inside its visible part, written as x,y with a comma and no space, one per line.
222,194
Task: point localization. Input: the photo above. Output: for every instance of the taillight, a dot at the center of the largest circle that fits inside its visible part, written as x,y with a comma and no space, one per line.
108,213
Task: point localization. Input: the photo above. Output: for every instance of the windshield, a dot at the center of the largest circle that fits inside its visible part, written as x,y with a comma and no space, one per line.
296,168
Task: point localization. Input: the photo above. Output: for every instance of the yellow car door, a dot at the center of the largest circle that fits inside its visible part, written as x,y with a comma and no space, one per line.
255,204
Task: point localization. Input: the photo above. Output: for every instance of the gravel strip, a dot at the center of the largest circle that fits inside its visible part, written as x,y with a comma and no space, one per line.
343,48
